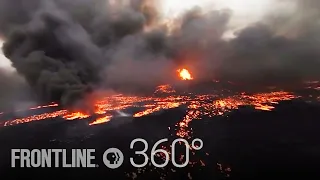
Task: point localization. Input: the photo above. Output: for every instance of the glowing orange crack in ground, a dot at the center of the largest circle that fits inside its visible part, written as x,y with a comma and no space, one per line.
101,120
35,118
197,106
76,115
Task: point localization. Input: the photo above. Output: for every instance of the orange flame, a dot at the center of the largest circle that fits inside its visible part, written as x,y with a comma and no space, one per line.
164,89
198,106
184,74
101,120
76,115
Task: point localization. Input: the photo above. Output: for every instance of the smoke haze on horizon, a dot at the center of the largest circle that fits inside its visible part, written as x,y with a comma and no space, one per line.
66,49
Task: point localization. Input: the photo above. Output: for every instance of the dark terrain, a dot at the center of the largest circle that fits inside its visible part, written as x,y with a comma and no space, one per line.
253,144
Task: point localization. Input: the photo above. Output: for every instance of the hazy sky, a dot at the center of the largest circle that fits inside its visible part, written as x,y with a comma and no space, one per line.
244,11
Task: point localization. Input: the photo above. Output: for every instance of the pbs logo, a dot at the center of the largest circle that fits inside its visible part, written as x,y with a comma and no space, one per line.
113,158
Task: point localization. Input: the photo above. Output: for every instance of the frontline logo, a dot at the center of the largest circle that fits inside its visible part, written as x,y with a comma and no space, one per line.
53,158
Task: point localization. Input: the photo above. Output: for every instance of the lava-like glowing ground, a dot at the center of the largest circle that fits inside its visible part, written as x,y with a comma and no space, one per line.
191,117
198,105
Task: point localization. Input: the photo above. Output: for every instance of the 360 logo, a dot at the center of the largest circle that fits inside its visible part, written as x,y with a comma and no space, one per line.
167,158
113,157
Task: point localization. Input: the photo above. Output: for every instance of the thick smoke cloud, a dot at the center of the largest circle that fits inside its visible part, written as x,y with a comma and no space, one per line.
68,48
282,47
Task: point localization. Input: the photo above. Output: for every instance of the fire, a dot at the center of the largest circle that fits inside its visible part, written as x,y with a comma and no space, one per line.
164,89
198,106
35,118
76,115
152,108
101,120
184,74
45,106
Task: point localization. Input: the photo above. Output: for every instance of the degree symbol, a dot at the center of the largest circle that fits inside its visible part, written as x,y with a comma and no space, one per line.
197,147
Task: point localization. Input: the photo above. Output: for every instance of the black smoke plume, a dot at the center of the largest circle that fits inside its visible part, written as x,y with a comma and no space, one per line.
66,49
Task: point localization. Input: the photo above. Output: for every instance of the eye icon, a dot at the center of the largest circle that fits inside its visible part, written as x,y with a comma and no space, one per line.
113,158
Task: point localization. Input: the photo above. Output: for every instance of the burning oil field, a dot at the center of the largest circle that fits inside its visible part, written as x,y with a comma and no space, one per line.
219,102
98,74
237,129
